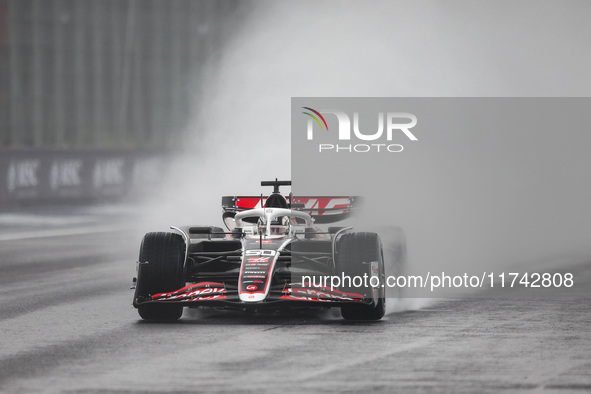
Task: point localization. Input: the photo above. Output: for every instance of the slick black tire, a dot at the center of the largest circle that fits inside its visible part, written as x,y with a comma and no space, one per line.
355,251
165,255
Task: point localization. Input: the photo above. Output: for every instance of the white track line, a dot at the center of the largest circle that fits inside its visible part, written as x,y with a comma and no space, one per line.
60,233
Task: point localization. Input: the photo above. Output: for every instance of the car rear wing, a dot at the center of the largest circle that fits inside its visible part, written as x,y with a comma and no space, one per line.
323,209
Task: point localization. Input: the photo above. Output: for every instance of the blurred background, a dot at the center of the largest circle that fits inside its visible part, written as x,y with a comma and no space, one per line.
93,95
103,74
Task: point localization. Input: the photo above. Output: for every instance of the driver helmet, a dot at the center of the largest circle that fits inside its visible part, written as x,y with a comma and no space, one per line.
280,226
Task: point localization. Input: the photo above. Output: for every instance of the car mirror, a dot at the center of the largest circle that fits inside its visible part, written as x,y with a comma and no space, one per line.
229,221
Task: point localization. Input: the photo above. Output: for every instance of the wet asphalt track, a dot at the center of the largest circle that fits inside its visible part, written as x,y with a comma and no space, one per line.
67,325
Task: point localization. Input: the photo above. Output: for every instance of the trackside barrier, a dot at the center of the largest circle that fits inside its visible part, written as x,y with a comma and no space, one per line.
38,176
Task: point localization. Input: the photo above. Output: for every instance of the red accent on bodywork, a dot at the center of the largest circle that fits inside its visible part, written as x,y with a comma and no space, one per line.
319,204
249,202
318,293
196,290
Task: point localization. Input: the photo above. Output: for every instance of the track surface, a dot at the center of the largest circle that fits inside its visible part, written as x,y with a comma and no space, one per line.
67,325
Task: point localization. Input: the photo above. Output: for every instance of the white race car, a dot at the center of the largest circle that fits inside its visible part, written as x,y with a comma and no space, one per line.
273,257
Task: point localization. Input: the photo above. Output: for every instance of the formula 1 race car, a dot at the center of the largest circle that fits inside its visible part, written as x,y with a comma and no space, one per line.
273,257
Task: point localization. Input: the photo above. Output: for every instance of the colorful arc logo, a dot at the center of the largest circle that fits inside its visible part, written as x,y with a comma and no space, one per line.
315,118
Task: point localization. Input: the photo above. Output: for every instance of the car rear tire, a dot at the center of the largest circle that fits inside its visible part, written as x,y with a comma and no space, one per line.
163,255
355,252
